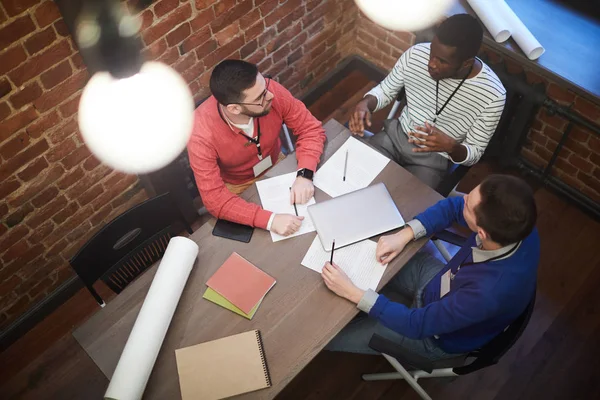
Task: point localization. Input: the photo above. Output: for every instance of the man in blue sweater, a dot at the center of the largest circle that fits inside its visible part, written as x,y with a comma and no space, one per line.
451,309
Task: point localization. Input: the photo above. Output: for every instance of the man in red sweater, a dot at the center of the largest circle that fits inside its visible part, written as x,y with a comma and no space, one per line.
236,139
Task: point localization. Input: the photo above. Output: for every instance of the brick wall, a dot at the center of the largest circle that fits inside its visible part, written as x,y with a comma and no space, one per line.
578,164
53,194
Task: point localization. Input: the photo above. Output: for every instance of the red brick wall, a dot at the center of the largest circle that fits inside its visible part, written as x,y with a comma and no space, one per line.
578,164
53,194
378,45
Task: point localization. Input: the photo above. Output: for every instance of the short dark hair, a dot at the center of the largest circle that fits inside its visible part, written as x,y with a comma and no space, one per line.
230,78
507,211
462,31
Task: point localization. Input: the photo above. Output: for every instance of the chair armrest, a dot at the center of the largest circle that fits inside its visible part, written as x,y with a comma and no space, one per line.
404,357
455,175
450,237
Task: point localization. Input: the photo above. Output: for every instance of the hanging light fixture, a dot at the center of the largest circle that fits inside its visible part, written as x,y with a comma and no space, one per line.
135,116
404,15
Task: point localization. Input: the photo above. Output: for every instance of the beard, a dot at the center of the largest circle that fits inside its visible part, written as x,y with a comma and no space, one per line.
262,113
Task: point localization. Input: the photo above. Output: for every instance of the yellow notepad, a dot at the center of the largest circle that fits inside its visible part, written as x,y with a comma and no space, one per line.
216,298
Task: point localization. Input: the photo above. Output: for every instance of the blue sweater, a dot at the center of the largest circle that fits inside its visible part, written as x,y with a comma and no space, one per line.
483,300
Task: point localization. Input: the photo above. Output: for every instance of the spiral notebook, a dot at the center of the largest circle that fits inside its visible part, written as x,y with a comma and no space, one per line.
224,367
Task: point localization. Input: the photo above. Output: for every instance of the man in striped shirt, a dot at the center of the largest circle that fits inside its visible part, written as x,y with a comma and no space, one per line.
454,103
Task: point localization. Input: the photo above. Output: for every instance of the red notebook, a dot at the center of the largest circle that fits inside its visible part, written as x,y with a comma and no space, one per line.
240,282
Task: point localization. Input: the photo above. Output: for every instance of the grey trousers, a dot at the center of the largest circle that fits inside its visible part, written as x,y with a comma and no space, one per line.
393,143
407,288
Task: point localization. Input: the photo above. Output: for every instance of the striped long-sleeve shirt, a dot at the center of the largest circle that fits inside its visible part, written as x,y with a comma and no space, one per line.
470,117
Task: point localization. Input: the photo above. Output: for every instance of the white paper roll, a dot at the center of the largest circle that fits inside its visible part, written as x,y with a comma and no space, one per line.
137,360
495,24
524,38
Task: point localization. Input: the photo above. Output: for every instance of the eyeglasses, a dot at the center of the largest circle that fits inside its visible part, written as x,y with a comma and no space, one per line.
262,96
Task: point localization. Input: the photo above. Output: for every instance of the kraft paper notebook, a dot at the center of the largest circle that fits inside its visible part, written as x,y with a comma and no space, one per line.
241,283
222,368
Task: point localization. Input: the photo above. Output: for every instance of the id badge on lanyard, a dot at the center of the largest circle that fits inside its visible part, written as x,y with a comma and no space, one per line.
262,166
263,163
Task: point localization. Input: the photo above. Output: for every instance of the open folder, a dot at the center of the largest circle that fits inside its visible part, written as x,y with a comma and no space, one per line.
223,367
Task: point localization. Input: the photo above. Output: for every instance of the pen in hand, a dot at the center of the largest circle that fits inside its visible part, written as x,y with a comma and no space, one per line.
332,249
345,166
295,208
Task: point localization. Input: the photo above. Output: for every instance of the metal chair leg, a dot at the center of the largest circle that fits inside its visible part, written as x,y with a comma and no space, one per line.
394,110
384,376
97,297
442,249
408,377
288,138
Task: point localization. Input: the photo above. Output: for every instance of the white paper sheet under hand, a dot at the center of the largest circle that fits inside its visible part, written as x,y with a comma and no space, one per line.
357,260
364,164
275,196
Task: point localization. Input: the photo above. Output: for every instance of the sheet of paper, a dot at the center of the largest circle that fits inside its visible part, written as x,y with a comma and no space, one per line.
357,260
275,196
364,164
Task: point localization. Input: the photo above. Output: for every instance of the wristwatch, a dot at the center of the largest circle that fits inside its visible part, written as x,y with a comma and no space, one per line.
306,173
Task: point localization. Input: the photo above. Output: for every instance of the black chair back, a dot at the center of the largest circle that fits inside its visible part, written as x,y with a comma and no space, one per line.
492,352
129,244
488,355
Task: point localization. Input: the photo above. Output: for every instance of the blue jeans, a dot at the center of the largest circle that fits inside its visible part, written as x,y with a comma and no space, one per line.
407,288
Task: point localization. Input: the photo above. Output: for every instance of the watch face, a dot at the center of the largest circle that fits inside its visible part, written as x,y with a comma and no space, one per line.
306,173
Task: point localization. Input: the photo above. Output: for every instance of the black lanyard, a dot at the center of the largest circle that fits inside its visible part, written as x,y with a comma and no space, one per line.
437,88
255,140
463,264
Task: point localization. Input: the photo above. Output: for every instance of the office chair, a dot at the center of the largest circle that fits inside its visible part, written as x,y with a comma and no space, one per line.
421,367
128,245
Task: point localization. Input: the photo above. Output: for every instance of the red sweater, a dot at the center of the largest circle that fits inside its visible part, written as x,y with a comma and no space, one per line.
218,155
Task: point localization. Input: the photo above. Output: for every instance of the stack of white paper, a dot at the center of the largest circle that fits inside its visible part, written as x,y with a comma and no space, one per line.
364,164
275,196
358,261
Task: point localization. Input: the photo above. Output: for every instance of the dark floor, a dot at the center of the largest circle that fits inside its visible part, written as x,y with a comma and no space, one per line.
558,356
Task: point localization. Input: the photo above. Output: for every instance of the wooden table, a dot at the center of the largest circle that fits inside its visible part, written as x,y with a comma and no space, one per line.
298,317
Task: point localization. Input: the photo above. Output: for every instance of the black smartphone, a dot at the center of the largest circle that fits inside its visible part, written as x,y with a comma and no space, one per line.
233,231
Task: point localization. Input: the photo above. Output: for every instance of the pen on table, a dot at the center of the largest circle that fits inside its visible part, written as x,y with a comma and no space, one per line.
332,249
295,209
345,165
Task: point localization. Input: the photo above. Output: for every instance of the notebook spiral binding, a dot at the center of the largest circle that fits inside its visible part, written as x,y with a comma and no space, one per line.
263,358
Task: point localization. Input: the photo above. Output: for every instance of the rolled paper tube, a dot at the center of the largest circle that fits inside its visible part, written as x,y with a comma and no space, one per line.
496,25
524,38
141,350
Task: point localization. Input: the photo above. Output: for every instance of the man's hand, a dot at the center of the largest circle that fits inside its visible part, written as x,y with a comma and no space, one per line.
302,190
433,139
286,224
361,113
338,282
388,247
